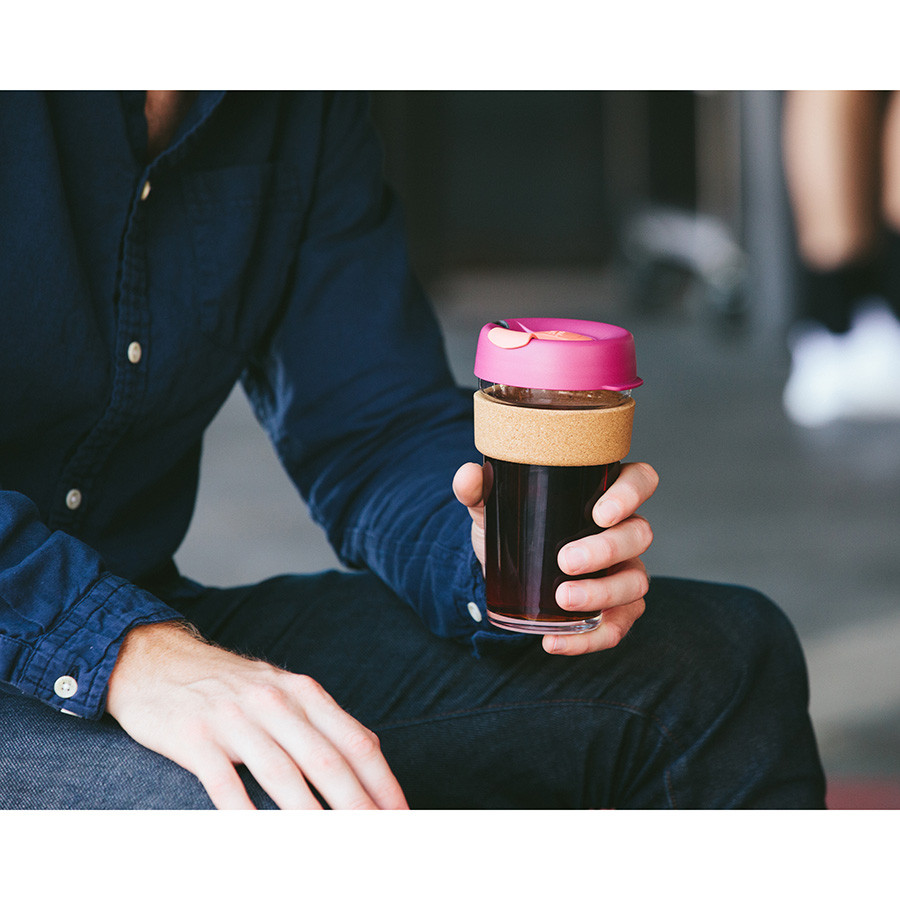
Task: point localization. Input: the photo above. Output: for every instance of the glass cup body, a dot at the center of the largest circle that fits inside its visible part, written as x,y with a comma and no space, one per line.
532,510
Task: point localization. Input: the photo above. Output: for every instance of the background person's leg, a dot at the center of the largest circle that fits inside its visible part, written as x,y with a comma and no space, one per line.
832,157
833,168
891,202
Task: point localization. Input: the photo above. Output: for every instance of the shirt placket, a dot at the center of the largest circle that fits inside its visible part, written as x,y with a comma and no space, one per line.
82,477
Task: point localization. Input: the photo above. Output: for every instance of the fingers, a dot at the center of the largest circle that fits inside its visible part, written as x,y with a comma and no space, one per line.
292,734
220,780
624,584
287,750
372,779
236,736
620,592
635,484
617,544
285,772
614,625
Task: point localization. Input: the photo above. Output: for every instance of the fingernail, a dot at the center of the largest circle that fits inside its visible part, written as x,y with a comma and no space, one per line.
575,559
571,595
607,512
557,644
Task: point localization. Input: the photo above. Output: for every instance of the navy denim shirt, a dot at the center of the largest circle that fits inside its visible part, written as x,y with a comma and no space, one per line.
261,245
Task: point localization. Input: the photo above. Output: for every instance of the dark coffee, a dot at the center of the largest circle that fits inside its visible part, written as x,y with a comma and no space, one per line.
531,512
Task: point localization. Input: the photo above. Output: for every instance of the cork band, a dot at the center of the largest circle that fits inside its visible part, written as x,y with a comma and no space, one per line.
552,437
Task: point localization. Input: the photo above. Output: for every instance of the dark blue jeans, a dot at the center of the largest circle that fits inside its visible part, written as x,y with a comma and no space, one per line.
703,705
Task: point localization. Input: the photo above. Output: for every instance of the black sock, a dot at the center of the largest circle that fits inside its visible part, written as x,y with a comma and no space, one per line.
829,297
892,270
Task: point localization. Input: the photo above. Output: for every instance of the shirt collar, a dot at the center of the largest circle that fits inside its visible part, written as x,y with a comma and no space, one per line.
201,110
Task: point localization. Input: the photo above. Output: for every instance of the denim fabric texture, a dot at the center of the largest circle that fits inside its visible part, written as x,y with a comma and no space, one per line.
703,705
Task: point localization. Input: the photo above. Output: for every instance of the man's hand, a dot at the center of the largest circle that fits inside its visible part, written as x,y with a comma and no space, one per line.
620,593
208,709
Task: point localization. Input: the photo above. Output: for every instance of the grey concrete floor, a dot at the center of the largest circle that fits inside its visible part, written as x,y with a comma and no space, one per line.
809,517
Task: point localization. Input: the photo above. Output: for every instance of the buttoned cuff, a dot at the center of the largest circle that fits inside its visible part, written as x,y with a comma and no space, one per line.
69,666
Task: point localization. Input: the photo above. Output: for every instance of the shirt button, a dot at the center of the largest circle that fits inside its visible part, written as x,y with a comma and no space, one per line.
145,190
134,352
73,498
65,686
474,611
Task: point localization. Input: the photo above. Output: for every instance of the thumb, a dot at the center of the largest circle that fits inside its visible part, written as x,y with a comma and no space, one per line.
468,486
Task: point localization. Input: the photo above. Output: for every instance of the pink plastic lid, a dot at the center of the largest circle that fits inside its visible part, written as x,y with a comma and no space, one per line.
557,355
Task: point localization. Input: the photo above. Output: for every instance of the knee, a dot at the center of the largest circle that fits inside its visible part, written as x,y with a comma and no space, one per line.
769,660
730,632
761,626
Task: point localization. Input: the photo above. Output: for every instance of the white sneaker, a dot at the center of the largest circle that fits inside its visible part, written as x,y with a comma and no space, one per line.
874,344
820,367
845,376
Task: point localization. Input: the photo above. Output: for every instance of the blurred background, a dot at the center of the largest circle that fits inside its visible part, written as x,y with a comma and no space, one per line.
665,212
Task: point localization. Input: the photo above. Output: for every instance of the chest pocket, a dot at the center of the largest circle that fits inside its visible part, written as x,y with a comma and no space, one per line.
246,224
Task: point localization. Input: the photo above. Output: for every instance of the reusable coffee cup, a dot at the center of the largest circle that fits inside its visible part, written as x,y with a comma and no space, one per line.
553,418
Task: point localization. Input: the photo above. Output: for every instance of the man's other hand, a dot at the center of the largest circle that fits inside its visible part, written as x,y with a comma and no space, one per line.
209,709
